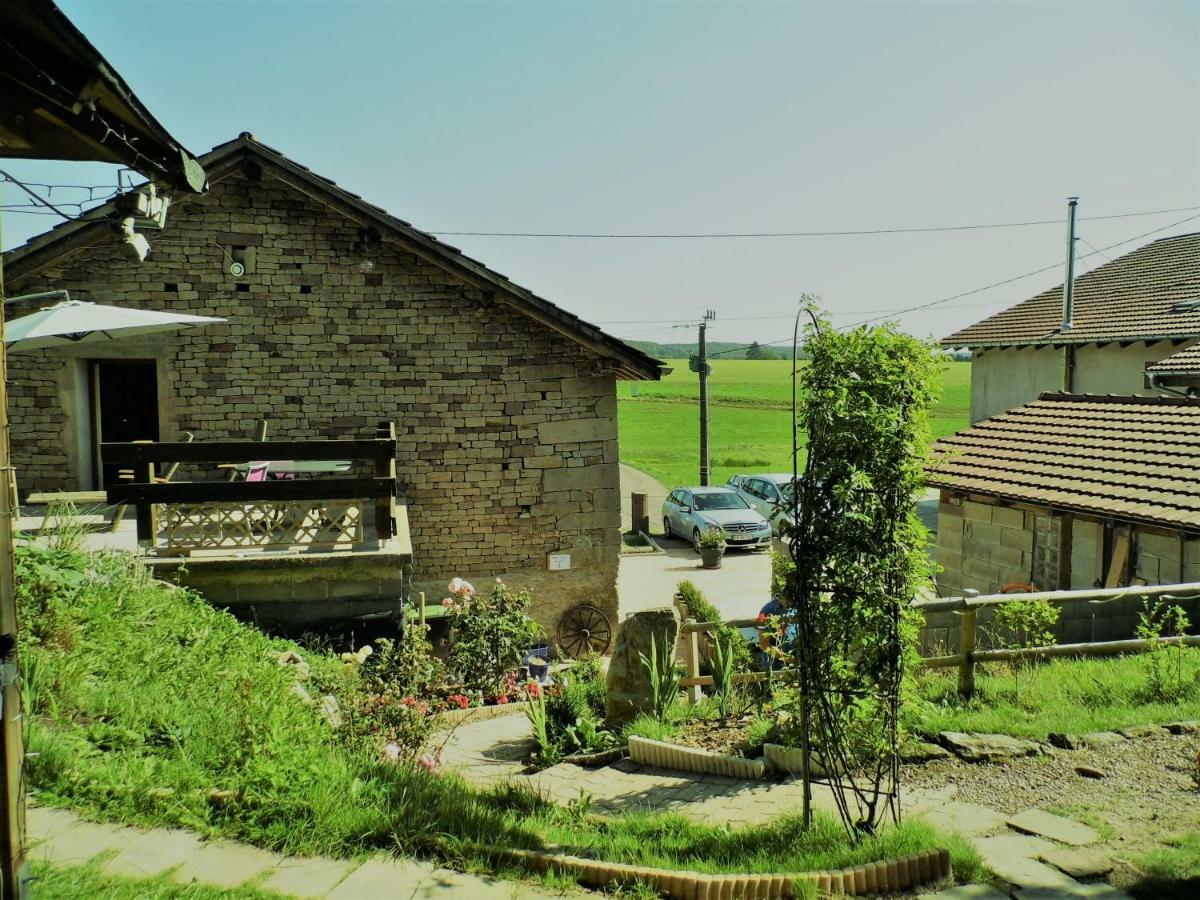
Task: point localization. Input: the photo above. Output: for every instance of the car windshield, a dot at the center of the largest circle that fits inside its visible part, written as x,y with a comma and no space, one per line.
787,490
720,501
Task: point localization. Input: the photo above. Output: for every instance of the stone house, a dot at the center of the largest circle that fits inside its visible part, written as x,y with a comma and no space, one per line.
339,317
1071,492
1127,316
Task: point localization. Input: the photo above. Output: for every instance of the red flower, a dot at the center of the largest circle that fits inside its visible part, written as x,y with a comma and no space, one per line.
534,689
502,699
762,619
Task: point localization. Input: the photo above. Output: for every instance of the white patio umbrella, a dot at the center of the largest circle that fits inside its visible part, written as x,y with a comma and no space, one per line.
79,322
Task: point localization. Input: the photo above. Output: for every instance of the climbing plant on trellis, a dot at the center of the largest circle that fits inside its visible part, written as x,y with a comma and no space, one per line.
859,556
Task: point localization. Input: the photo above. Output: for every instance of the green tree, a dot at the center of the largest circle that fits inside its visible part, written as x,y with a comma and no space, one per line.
859,555
757,351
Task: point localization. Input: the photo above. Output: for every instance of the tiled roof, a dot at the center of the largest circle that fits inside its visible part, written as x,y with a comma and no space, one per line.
1185,362
1131,458
1134,297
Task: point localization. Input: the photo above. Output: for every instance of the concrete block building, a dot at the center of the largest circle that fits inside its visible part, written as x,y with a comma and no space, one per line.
1071,492
339,317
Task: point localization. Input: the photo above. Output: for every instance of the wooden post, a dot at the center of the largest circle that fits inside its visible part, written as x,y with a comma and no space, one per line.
260,430
385,467
966,647
14,864
147,520
638,518
691,654
421,608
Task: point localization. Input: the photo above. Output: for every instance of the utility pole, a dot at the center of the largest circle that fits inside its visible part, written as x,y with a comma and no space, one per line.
1068,304
704,370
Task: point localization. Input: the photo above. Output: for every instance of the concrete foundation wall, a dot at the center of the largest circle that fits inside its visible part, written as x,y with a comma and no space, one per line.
507,429
1004,378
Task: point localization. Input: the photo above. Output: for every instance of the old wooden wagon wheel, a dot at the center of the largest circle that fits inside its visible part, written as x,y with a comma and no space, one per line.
583,629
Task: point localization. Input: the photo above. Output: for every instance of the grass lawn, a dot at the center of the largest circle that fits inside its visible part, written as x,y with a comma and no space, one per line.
76,882
143,702
1072,696
749,418
1172,871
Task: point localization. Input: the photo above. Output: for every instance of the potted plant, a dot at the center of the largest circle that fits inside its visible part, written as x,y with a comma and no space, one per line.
712,548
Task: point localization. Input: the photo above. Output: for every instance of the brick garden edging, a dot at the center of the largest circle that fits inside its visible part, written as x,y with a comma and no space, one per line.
868,879
646,752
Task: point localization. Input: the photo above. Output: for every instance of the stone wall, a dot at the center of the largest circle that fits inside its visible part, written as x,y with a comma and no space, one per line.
507,431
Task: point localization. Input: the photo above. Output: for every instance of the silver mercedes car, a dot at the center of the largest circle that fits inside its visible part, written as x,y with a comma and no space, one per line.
690,511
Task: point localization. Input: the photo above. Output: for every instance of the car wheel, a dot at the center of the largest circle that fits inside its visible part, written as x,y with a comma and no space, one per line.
696,539
666,526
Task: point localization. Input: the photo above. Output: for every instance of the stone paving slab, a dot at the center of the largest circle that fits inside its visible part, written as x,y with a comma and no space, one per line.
382,876
42,822
225,864
1057,828
150,853
308,876
82,843
1078,892
966,892
1013,858
1079,863
968,819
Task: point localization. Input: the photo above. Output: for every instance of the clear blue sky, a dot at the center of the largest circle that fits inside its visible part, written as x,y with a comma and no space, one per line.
696,117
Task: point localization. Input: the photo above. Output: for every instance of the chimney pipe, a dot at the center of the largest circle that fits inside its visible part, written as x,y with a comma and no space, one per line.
1069,279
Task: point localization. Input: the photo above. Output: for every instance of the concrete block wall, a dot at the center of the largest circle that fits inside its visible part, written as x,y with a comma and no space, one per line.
1156,560
507,430
983,546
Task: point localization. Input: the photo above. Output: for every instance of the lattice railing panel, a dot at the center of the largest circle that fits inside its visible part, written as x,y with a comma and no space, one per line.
265,524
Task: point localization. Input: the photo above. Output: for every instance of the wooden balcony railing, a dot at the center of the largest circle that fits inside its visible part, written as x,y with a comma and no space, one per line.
309,511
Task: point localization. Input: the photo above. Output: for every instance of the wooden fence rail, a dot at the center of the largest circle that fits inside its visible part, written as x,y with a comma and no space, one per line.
969,656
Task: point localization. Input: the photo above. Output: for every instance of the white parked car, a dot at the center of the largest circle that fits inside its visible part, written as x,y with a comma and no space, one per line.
690,511
769,495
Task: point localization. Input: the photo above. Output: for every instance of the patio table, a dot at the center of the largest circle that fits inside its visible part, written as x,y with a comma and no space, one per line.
299,466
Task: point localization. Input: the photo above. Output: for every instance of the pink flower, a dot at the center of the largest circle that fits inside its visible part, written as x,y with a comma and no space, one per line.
459,586
428,762
447,602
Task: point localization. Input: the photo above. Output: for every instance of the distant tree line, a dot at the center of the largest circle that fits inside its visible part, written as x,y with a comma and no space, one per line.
718,349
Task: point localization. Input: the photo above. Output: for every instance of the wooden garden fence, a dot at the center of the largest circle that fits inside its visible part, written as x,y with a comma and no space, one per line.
969,655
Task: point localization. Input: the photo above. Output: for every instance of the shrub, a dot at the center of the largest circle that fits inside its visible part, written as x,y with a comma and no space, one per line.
1022,624
491,635
1164,663
699,608
575,709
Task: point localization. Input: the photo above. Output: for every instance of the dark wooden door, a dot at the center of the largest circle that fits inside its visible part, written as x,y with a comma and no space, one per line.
125,393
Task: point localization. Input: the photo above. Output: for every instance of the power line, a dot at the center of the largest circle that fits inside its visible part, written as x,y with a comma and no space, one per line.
32,193
1048,268
919,229
977,290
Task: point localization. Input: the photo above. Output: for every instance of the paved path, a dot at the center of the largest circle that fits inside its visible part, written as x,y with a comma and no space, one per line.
60,837
1017,848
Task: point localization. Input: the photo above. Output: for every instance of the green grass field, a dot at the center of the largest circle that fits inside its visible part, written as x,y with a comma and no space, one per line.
749,418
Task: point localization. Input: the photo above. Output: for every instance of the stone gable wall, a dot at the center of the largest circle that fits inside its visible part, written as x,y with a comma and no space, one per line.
507,433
